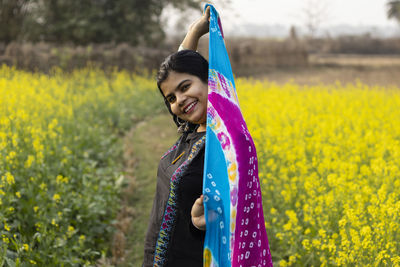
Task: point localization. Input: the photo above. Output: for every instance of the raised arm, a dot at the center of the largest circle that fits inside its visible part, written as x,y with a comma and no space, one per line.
196,30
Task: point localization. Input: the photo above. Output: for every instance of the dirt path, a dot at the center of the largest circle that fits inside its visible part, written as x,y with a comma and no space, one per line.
143,146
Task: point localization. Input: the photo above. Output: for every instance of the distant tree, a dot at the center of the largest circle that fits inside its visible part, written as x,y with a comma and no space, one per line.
86,21
12,14
393,10
315,13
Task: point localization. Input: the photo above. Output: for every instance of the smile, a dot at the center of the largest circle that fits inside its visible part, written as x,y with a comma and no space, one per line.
190,107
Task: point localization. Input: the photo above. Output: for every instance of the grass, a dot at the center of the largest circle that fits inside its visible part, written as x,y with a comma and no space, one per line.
149,140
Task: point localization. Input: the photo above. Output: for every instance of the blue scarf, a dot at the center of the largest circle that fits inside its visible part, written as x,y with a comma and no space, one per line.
235,234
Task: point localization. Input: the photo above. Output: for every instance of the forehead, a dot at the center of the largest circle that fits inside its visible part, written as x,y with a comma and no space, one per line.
173,80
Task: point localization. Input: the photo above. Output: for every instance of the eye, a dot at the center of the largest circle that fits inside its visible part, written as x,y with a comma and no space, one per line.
185,87
171,99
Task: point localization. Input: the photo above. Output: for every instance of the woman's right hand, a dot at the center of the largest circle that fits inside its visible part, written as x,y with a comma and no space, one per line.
197,213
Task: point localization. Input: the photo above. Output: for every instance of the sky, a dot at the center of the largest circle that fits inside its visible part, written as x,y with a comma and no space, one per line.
292,12
239,17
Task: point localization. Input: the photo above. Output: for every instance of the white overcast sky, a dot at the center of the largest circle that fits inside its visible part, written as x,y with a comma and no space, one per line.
291,12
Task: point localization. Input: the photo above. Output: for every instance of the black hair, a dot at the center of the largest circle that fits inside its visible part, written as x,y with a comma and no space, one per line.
184,61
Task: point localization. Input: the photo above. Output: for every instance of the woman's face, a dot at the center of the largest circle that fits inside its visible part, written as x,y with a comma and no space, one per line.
187,95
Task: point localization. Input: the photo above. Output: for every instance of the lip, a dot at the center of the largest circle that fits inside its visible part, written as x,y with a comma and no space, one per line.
191,109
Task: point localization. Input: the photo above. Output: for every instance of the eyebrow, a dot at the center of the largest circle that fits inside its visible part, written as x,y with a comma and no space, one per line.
179,85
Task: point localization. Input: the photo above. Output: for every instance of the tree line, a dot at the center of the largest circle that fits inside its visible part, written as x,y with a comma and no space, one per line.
87,21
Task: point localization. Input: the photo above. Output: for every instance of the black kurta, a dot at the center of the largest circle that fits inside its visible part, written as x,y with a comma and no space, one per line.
186,246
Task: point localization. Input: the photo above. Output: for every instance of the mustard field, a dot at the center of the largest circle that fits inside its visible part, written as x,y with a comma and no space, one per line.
329,165
60,164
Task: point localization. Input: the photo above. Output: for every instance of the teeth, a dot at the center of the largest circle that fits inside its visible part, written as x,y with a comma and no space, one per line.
189,107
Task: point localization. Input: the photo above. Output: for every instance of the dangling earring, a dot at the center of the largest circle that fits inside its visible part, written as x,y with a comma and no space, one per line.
183,125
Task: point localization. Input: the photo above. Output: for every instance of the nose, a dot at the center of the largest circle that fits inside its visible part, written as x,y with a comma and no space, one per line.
180,99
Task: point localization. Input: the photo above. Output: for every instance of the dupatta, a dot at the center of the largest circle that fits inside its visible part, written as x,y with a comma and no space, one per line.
235,234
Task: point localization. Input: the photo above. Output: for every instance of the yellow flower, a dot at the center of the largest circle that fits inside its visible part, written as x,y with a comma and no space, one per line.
283,263
9,178
43,186
18,194
292,259
82,238
6,227
38,226
61,179
29,161
25,247
56,197
71,230
306,244
36,208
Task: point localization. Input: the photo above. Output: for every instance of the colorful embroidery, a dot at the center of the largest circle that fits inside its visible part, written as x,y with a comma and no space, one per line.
169,218
172,148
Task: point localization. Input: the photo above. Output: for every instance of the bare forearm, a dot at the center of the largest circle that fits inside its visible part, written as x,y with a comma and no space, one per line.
191,41
196,31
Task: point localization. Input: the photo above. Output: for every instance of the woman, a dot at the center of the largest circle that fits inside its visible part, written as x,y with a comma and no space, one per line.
175,236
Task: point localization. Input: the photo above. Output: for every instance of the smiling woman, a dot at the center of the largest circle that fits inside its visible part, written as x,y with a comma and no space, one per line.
176,231
185,90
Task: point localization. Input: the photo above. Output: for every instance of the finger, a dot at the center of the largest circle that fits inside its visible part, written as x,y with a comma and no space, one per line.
207,13
199,201
198,208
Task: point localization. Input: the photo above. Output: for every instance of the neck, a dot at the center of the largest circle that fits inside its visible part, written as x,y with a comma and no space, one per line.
202,128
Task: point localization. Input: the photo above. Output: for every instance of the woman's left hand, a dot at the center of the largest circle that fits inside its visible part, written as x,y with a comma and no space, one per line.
196,30
201,25
198,219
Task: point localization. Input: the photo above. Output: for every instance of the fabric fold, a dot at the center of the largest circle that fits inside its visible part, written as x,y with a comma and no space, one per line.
236,234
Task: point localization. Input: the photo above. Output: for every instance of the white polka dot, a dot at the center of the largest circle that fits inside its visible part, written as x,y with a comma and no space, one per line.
223,240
